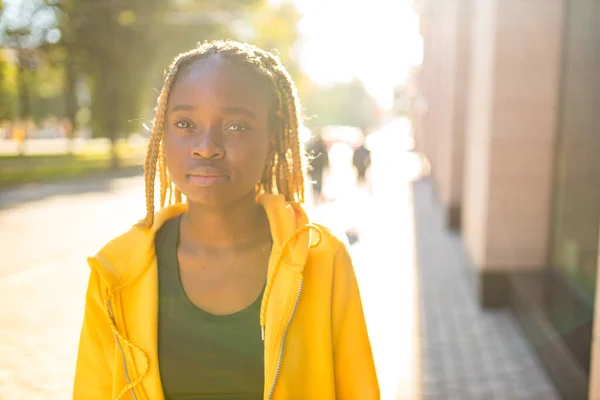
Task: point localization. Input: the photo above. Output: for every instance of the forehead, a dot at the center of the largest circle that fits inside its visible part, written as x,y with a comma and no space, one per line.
222,82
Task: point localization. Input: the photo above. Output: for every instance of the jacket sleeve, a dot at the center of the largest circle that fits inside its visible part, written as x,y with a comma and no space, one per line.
93,374
355,375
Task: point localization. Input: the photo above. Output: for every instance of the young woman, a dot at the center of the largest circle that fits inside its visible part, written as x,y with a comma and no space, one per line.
232,293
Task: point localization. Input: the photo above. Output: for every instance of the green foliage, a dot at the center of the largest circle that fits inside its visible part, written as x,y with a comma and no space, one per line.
120,49
8,88
126,46
115,44
274,28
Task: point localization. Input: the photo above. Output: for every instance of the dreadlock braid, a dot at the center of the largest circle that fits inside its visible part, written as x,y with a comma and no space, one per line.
162,170
285,169
152,155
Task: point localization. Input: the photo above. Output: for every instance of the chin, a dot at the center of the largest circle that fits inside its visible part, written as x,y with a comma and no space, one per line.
214,198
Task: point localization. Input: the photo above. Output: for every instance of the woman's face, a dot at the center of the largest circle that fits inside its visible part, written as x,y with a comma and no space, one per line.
217,137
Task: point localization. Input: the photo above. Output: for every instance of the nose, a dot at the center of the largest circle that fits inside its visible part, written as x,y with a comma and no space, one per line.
208,146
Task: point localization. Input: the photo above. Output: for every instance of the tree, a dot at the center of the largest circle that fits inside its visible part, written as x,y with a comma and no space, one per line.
112,40
4,108
274,28
122,41
23,31
121,47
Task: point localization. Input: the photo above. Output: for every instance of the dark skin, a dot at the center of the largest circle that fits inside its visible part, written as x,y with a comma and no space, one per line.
217,142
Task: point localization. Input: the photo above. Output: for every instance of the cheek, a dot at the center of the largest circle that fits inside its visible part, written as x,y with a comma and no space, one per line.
174,154
255,156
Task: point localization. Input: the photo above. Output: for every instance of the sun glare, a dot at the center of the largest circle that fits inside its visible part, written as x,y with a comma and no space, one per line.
376,41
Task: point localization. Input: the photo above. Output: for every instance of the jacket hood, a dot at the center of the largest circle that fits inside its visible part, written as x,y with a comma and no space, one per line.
121,261
329,356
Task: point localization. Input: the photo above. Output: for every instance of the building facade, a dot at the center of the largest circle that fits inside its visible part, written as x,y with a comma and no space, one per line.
511,129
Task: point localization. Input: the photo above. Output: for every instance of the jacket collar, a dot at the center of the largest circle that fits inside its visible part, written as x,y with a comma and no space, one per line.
127,257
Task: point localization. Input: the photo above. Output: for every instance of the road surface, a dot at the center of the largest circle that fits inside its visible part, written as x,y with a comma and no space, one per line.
48,231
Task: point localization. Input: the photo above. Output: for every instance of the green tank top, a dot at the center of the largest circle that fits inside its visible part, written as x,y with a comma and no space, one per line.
201,355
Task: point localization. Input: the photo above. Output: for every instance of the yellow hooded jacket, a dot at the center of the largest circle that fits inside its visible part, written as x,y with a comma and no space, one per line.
315,339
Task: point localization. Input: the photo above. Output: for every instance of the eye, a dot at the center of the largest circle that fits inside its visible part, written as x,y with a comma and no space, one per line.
184,124
237,127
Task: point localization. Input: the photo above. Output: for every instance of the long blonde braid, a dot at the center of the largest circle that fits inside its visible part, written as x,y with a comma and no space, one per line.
286,167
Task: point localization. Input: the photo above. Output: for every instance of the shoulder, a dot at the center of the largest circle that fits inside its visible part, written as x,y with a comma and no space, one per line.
331,241
331,251
330,265
120,258
125,257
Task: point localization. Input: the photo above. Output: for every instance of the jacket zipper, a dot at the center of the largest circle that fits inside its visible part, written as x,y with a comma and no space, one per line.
283,341
112,316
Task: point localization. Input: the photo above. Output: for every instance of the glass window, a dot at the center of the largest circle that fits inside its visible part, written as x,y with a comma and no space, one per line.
576,219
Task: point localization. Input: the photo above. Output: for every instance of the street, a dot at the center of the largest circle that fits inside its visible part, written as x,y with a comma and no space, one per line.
47,231
44,276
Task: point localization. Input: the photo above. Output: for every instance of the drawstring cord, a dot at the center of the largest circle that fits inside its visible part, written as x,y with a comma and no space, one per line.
123,339
271,279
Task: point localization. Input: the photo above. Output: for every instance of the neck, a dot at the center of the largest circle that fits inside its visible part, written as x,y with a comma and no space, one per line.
241,223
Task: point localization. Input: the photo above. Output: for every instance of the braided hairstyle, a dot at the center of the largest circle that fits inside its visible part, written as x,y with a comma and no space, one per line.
286,166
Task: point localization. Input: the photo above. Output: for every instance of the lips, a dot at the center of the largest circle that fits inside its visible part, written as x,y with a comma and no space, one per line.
206,176
206,180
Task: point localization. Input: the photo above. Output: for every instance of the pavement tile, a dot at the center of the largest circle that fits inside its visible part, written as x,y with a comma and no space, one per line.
483,354
440,346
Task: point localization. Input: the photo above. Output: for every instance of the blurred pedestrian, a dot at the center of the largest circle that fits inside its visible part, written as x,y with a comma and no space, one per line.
67,128
362,161
68,133
19,134
233,292
319,161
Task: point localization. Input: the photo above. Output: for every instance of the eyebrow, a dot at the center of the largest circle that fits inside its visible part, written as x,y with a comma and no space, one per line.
183,107
239,110
228,110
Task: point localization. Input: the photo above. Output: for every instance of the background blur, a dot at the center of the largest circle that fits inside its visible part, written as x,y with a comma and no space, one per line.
79,70
474,229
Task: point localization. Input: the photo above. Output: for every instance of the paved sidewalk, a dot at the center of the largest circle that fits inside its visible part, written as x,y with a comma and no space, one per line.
467,353
430,339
